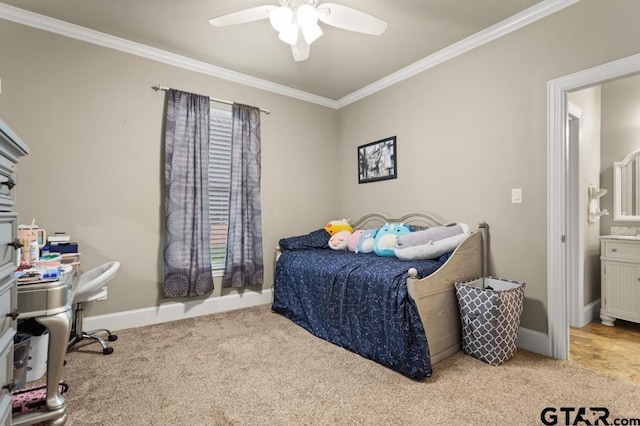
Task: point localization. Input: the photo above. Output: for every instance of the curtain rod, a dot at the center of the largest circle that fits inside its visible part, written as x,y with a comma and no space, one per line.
158,87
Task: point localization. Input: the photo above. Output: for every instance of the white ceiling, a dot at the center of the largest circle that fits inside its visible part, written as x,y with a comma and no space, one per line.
341,62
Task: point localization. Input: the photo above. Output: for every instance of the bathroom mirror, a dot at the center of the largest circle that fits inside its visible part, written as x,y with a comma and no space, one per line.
626,188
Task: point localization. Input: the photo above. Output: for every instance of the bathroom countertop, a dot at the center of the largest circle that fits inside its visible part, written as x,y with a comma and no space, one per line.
621,237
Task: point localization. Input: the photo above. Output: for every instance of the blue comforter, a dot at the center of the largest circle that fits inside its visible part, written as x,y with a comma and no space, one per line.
357,301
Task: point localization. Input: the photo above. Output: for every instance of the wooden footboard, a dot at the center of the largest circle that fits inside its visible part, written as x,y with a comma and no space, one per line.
436,299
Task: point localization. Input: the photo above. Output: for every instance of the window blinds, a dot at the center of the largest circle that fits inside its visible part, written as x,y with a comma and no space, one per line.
219,180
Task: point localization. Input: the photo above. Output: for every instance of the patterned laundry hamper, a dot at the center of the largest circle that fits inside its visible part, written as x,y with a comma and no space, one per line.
490,310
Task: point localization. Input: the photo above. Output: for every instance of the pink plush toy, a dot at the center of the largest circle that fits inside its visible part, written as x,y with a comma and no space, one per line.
352,244
339,240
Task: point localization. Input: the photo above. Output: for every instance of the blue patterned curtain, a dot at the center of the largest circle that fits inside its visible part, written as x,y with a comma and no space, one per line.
187,251
244,266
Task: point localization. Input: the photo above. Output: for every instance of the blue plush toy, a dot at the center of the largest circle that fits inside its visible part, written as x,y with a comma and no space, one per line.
365,243
385,241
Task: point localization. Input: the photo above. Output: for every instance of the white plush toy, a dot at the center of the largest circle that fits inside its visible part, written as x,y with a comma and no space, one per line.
431,243
339,240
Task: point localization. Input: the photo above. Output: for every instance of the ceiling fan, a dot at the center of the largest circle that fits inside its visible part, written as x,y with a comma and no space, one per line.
297,21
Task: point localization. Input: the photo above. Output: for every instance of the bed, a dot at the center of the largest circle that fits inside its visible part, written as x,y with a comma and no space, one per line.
402,314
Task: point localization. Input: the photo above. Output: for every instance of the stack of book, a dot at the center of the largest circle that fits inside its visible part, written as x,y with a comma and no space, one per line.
60,242
59,238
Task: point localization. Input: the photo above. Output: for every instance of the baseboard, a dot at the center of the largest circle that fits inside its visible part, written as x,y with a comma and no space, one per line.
177,311
590,312
540,343
530,340
534,341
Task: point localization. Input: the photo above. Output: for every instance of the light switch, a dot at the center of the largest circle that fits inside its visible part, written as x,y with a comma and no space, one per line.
516,195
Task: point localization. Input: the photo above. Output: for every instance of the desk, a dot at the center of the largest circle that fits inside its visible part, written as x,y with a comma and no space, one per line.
50,304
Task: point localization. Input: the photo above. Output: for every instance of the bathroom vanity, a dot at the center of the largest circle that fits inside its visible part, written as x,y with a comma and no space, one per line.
620,278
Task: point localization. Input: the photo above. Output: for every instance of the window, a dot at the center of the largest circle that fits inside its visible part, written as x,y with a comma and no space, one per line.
219,180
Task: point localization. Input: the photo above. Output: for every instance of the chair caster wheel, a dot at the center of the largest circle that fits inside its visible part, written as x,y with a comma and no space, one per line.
107,351
112,338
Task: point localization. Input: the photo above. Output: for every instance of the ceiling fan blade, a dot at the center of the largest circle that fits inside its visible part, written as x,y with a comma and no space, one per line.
242,16
350,19
300,50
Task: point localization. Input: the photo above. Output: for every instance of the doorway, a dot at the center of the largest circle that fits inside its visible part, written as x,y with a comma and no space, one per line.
601,125
561,230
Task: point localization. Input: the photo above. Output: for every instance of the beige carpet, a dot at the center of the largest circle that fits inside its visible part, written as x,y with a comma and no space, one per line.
254,367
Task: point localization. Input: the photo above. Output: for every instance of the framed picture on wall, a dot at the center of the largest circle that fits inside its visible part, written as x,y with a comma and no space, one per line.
377,160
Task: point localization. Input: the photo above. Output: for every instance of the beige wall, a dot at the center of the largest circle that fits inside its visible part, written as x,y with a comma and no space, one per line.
473,128
468,131
588,100
94,128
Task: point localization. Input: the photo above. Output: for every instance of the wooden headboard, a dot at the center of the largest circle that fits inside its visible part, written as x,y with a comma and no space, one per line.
374,220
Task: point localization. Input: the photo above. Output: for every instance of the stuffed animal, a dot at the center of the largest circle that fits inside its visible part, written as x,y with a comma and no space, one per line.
339,240
352,244
429,235
366,241
431,243
337,226
385,241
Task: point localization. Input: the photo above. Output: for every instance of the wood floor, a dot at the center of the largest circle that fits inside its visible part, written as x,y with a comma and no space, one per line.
610,350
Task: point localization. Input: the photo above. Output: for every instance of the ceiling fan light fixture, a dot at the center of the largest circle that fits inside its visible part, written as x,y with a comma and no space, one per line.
306,16
296,21
289,34
311,33
280,17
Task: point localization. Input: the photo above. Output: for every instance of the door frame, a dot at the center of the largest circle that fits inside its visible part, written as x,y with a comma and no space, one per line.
576,208
559,186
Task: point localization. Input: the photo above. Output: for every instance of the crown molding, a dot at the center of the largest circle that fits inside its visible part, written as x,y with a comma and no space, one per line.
77,32
513,23
45,23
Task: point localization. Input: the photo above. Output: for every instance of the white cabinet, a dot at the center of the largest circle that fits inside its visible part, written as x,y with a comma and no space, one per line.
620,274
11,148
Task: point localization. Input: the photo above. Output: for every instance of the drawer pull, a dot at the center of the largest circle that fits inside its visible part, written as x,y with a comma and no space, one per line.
16,244
614,250
14,314
10,183
10,386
